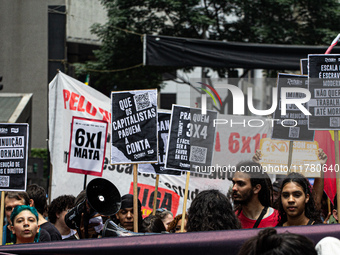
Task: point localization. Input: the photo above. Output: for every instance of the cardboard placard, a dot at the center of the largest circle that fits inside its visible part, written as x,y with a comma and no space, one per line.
275,157
191,139
87,146
134,127
324,86
13,156
293,131
163,133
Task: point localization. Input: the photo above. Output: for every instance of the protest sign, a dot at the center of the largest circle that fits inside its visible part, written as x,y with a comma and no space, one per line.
87,146
163,132
13,156
68,97
324,86
191,139
304,66
294,125
134,127
305,157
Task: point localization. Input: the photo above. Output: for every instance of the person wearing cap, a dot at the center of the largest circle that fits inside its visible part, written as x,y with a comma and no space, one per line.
124,217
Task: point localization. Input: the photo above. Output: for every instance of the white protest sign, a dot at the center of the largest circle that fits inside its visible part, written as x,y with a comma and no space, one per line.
87,146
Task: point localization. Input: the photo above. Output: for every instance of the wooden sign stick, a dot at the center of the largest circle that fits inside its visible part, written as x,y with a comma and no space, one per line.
185,201
135,198
2,214
290,155
155,196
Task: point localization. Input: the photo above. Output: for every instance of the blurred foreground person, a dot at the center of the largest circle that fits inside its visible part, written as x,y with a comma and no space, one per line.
269,242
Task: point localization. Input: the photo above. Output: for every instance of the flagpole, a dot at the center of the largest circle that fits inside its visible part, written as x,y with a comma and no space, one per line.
185,201
135,198
290,155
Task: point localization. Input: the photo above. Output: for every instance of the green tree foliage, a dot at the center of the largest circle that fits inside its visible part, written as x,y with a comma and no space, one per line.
258,21
303,22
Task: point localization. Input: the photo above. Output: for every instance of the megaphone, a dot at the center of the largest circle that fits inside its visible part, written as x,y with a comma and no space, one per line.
102,197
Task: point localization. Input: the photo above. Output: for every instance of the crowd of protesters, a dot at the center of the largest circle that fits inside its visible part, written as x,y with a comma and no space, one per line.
254,202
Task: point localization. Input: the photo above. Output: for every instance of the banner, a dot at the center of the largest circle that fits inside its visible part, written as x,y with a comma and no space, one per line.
69,97
13,156
87,146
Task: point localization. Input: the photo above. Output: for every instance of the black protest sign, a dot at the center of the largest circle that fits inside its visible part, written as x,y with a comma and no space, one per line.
294,125
304,66
13,157
134,127
191,140
87,146
163,132
324,86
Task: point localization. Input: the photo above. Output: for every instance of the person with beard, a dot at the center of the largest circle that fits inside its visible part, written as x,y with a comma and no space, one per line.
252,196
124,217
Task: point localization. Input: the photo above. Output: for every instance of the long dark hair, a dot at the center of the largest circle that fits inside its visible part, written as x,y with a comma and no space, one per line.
268,241
211,210
257,176
310,209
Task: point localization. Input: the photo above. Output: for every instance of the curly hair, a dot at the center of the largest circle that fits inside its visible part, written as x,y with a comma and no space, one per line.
257,176
269,242
173,224
59,205
18,209
211,210
310,209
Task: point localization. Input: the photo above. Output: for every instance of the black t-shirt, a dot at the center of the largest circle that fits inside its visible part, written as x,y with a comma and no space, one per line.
52,230
44,236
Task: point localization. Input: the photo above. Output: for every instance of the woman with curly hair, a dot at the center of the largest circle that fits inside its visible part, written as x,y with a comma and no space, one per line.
296,203
25,228
211,210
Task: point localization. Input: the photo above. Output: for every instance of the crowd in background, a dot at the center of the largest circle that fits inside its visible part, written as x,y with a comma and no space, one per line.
252,202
